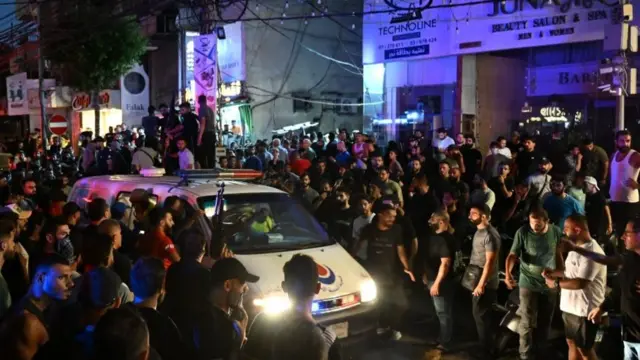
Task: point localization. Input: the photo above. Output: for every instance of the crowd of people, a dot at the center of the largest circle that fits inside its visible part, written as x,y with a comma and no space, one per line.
85,283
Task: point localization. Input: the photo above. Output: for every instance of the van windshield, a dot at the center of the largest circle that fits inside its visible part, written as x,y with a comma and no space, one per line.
266,222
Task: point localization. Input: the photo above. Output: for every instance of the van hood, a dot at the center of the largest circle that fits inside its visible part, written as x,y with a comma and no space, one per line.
339,273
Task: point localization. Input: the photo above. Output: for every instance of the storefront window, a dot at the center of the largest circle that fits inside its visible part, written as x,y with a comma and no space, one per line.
108,118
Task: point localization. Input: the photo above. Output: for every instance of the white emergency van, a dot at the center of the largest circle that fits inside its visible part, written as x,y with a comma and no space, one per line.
279,228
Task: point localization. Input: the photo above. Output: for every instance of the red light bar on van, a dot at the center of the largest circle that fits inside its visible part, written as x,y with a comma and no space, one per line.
236,174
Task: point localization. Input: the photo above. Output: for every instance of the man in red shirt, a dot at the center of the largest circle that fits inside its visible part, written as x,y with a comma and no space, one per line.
157,243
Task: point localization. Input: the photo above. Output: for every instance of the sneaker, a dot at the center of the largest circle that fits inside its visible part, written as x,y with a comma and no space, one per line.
382,331
443,348
396,335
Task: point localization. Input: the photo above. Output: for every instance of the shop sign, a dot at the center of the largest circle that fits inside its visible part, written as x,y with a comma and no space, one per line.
82,101
414,31
134,90
562,79
553,114
231,54
508,24
206,69
231,91
17,103
402,35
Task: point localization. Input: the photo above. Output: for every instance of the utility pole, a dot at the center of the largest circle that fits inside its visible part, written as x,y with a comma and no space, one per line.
41,89
621,38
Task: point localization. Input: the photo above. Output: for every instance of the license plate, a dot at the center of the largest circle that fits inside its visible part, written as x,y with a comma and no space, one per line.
340,329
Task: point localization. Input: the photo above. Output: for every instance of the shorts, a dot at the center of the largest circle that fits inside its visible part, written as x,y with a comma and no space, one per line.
580,330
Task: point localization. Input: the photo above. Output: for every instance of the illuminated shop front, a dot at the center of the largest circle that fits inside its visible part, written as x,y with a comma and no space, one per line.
235,112
110,111
404,96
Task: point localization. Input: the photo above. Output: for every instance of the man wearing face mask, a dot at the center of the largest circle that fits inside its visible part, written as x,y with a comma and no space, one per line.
625,168
223,327
535,246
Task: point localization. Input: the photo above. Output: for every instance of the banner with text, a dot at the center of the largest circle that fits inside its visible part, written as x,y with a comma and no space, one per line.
510,24
403,34
420,29
205,68
567,79
231,54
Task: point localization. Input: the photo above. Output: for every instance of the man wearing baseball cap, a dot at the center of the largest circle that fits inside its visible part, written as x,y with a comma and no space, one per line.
226,321
596,207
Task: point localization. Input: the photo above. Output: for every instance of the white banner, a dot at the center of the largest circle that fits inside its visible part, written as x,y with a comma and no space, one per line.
134,90
453,28
231,54
510,24
562,79
205,69
17,103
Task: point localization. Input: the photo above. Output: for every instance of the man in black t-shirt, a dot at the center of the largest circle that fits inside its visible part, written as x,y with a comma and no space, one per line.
528,159
298,336
597,209
438,255
385,245
222,328
147,283
190,126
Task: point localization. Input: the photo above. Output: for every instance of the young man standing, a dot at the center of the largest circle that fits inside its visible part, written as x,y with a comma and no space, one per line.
385,245
627,291
484,254
185,156
535,246
25,331
7,251
582,285
625,169
300,337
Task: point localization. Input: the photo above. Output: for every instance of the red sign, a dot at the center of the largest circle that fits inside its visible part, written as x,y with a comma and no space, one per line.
58,124
83,101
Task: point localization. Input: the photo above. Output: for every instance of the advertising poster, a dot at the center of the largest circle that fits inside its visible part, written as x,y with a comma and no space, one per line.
231,54
17,103
205,68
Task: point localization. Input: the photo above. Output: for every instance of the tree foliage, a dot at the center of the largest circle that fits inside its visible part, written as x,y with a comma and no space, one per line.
95,53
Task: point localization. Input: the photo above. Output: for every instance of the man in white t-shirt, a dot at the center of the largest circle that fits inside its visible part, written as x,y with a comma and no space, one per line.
365,218
185,156
582,288
441,143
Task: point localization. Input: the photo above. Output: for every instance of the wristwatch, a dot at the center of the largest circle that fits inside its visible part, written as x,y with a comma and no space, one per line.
557,283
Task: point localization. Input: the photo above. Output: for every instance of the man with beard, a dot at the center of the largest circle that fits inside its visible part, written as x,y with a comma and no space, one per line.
560,205
484,255
25,330
7,251
455,180
625,168
385,246
582,287
535,246
595,161
528,158
471,156
157,243
540,182
147,283
222,328
422,203
626,293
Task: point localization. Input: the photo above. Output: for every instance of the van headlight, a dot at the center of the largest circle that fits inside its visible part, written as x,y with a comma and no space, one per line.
368,291
273,304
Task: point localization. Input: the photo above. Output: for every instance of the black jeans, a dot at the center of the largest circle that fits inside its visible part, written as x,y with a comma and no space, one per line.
207,151
392,303
621,214
482,307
